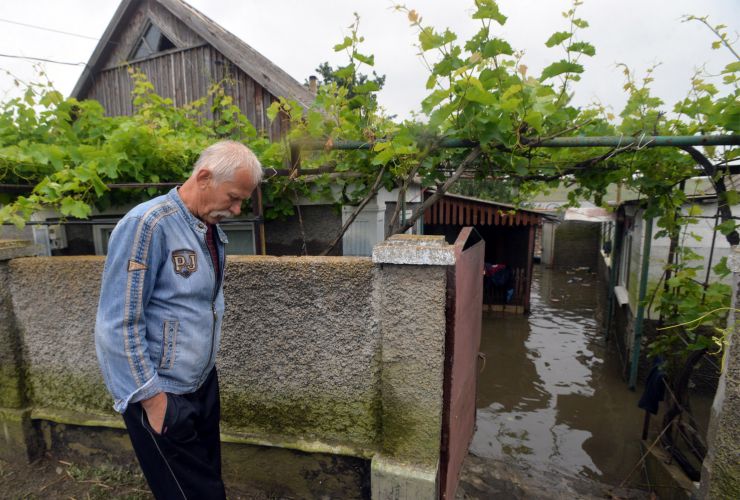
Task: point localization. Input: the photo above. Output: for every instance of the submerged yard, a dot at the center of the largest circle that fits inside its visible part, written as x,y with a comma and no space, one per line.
550,395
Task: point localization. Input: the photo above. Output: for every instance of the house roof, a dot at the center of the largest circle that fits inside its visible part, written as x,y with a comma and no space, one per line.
462,210
276,81
589,214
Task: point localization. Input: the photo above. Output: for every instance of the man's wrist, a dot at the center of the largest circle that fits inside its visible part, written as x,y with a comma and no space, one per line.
153,401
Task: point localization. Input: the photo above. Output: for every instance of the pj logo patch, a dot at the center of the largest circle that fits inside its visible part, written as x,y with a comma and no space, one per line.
185,262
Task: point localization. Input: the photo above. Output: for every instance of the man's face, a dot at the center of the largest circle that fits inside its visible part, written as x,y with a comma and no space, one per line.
224,199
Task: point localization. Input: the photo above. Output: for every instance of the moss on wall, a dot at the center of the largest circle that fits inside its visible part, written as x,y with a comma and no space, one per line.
301,415
11,383
51,387
412,429
11,368
726,479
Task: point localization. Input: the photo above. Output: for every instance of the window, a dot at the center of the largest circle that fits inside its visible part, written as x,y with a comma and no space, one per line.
241,238
151,42
240,234
101,236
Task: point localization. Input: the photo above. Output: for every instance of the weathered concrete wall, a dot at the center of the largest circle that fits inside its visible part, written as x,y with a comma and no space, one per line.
720,476
299,356
576,244
55,300
412,384
17,436
411,268
319,354
300,352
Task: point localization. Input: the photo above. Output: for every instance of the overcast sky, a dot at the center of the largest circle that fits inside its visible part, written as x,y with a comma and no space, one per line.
297,35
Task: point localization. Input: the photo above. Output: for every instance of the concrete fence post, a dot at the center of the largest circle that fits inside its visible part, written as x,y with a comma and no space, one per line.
410,296
720,475
17,436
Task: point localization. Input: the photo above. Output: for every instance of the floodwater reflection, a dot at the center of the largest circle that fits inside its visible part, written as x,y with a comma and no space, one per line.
550,393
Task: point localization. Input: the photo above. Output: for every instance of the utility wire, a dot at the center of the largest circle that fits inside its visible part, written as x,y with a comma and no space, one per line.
48,29
43,60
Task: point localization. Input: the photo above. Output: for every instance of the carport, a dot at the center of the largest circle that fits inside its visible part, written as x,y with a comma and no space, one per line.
509,233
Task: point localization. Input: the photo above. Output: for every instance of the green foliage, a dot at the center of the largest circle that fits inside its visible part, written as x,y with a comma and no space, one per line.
479,89
69,150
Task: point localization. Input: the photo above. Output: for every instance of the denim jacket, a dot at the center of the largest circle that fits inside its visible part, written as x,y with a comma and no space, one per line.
158,325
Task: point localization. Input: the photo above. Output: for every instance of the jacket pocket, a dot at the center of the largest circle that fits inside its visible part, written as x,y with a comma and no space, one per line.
169,343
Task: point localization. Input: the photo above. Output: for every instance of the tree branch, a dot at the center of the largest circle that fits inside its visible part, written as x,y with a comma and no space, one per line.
405,186
351,219
470,158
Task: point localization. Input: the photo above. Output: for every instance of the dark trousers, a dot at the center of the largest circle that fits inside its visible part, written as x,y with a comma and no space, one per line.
184,461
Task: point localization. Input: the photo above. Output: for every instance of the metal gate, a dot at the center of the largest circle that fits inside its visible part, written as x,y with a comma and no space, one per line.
464,310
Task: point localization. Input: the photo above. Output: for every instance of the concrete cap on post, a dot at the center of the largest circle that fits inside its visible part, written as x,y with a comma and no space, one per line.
429,250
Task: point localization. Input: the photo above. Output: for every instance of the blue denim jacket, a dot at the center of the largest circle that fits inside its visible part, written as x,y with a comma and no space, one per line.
158,325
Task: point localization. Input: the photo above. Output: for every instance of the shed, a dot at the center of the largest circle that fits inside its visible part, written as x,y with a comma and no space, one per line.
509,233
182,52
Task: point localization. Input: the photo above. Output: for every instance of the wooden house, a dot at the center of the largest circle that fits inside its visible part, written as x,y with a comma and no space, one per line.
509,233
182,52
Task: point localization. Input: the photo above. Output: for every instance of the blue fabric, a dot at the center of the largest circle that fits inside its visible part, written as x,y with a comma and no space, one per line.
158,325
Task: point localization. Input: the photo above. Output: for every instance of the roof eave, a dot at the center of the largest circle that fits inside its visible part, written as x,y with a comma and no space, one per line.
83,83
274,79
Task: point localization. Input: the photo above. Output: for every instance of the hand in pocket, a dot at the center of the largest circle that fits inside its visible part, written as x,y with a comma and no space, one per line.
156,409
179,421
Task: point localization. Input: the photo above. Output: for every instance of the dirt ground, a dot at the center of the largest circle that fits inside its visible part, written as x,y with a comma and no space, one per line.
53,478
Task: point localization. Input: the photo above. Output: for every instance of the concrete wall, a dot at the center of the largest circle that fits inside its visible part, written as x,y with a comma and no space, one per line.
576,244
720,476
300,352
319,354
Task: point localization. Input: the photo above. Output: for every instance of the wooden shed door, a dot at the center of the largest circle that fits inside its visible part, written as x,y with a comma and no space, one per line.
464,310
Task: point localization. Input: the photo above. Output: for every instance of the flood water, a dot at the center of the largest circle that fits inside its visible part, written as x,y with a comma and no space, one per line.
551,394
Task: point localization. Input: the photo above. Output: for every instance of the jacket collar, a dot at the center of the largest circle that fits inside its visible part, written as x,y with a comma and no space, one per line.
195,223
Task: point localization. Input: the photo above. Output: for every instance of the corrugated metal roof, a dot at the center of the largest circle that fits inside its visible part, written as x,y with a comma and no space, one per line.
461,210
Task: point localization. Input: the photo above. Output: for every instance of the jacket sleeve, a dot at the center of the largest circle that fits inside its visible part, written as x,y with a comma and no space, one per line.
134,256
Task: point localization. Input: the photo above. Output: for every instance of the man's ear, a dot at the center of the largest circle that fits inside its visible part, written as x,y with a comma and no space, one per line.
203,177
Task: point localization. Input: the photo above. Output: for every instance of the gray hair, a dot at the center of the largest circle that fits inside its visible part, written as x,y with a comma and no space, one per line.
225,157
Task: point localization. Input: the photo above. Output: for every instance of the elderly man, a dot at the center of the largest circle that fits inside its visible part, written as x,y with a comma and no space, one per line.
158,325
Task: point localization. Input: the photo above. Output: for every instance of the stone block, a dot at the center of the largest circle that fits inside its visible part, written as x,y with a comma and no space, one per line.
430,250
19,439
394,480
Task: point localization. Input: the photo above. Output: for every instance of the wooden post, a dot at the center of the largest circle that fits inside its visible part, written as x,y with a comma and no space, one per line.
259,238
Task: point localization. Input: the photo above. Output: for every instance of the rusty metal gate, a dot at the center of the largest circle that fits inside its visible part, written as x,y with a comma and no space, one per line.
464,310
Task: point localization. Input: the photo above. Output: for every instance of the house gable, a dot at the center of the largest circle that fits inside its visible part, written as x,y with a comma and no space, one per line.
195,52
131,26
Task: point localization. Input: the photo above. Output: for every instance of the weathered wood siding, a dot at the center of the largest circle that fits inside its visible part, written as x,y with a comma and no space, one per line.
178,32
184,76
